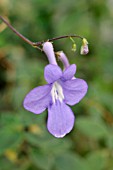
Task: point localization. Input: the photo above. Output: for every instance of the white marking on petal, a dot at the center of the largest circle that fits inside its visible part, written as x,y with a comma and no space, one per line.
57,92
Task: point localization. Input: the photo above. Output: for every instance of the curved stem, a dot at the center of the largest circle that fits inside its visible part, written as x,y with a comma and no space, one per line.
57,38
15,31
36,44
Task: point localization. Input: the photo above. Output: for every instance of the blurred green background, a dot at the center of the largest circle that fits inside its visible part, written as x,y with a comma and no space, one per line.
25,143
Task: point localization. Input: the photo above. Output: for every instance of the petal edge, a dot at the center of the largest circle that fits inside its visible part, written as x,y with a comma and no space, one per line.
38,99
74,90
60,119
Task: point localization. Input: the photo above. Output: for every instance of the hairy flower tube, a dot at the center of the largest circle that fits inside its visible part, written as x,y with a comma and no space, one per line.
55,96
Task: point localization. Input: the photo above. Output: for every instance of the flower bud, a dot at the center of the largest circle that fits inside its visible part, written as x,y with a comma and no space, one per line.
84,48
74,47
63,58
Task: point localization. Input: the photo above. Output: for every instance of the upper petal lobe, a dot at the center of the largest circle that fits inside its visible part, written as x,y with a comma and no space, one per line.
69,72
52,73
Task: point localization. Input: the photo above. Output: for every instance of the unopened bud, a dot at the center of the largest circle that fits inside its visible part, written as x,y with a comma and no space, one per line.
84,48
74,47
63,58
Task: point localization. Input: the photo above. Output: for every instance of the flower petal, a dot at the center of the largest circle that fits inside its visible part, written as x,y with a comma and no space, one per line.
52,73
69,72
74,90
38,99
60,119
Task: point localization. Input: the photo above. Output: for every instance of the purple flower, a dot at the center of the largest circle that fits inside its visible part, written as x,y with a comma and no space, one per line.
60,90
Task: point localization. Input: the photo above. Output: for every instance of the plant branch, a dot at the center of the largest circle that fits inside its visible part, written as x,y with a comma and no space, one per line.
15,31
36,44
57,38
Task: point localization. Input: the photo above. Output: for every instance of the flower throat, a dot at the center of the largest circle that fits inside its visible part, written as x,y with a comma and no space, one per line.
57,92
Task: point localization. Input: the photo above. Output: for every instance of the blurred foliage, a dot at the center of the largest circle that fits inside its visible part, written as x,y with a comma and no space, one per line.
25,143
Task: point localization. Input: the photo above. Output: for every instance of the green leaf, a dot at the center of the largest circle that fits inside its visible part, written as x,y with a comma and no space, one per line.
97,160
5,164
41,160
48,143
9,119
110,141
9,139
70,161
28,118
92,128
